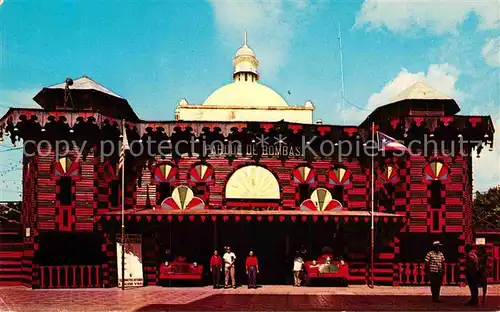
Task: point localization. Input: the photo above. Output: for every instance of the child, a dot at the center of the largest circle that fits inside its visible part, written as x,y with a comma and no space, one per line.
297,268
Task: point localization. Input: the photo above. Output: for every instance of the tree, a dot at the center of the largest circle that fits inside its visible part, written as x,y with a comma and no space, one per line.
486,208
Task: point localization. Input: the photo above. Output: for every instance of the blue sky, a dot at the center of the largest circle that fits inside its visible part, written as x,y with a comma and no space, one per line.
156,52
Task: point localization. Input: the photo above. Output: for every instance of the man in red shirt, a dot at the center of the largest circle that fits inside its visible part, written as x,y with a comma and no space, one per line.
252,268
216,268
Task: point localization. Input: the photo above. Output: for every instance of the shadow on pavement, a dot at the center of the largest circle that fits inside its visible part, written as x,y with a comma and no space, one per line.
246,302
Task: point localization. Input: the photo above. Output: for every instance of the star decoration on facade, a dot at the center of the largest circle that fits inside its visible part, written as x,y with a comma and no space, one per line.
262,140
280,140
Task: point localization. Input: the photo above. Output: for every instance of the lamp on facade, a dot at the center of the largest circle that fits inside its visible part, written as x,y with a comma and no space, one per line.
43,129
432,135
486,136
460,135
71,131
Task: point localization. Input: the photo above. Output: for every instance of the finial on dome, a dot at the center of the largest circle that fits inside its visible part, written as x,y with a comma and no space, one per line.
245,63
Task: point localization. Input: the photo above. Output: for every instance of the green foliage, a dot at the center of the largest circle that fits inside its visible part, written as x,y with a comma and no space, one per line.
486,209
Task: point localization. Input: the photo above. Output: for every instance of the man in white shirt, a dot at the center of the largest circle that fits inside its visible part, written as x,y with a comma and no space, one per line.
229,258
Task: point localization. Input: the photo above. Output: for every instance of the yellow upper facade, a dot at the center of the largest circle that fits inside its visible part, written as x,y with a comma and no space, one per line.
245,99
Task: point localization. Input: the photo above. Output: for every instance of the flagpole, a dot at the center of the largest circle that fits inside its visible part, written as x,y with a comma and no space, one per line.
123,208
372,229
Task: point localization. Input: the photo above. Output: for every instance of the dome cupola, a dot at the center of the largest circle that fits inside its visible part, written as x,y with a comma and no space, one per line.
245,64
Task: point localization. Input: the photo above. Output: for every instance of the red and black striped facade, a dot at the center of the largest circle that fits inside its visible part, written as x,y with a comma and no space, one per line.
416,202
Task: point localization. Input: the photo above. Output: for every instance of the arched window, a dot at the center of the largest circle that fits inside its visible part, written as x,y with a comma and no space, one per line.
200,176
436,172
339,177
252,183
321,200
388,176
65,171
304,177
111,178
164,175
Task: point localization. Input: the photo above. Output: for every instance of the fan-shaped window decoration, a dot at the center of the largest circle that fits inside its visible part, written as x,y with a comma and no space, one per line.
304,175
201,173
389,174
252,182
321,200
436,170
66,167
339,176
183,199
165,173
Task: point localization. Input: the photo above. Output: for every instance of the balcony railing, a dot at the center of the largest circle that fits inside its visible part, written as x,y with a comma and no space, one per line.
413,273
71,276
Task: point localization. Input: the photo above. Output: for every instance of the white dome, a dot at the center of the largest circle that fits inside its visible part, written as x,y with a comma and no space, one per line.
245,94
245,51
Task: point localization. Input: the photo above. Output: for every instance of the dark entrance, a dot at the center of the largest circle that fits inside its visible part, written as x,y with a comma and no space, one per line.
274,242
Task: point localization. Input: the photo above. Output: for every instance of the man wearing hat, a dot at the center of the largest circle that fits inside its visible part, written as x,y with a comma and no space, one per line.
434,267
471,274
229,258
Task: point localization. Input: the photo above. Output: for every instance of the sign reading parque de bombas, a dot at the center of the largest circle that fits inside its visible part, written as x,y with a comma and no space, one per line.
253,149
218,148
224,148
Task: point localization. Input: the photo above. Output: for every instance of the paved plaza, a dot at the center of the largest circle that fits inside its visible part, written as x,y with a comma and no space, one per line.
266,298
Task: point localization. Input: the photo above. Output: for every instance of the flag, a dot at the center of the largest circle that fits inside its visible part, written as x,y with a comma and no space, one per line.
386,143
125,147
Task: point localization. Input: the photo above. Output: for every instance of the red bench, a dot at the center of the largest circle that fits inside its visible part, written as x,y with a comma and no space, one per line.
337,269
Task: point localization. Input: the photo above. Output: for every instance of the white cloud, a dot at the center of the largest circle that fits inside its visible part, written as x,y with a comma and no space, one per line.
270,27
442,77
439,16
491,52
486,169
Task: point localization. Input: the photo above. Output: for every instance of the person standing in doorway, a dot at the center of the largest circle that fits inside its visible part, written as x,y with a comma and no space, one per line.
216,268
471,273
434,267
252,268
229,258
298,264
483,271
